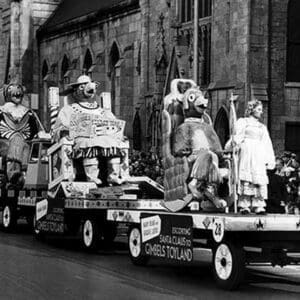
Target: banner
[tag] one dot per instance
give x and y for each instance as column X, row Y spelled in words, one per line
column 168, row 237
column 89, row 126
column 50, row 215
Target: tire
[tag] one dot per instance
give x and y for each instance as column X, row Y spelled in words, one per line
column 89, row 234
column 135, row 247
column 9, row 218
column 228, row 265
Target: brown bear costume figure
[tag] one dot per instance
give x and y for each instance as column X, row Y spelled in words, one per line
column 198, row 141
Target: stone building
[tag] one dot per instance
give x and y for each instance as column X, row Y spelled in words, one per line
column 134, row 48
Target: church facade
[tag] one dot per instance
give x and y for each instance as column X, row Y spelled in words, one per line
column 134, row 48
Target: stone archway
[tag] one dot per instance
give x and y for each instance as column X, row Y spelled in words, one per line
column 222, row 125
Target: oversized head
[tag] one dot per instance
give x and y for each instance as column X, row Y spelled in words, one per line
column 194, row 103
column 84, row 89
column 13, row 93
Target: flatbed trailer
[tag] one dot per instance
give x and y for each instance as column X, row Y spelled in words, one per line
column 73, row 208
column 235, row 240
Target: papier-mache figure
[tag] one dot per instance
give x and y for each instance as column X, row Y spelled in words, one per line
column 18, row 125
column 197, row 140
column 96, row 132
column 190, row 150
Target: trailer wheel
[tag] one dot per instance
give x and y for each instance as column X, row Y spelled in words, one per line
column 228, row 265
column 135, row 247
column 9, row 218
column 89, row 234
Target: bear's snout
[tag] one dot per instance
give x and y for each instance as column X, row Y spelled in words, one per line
column 90, row 89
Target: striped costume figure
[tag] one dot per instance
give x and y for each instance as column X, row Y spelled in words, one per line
column 18, row 125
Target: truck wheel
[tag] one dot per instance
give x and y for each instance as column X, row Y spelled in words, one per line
column 9, row 218
column 228, row 265
column 89, row 234
column 135, row 247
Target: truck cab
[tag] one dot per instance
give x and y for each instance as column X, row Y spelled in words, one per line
column 17, row 198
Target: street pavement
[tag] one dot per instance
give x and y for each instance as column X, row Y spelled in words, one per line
column 59, row 269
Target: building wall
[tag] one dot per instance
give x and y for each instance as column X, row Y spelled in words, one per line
column 249, row 40
column 230, row 48
column 4, row 35
column 18, row 50
column 285, row 96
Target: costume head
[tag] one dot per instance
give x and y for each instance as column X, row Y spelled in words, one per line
column 13, row 93
column 84, row 89
column 194, row 103
column 251, row 107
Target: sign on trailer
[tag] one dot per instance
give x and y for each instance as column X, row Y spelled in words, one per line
column 167, row 236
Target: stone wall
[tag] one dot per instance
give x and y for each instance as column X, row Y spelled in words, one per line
column 285, row 97
column 4, row 35
column 230, row 48
column 19, row 22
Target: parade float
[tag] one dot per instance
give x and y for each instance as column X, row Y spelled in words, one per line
column 77, row 183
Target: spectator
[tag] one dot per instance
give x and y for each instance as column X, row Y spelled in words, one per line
column 143, row 164
column 277, row 193
column 279, row 166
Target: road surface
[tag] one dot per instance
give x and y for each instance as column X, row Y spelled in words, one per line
column 58, row 269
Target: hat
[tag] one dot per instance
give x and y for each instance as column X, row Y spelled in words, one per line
column 82, row 79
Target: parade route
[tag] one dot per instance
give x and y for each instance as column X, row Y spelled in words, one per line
column 58, row 269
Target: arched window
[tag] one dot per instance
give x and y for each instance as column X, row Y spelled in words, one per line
column 64, row 69
column 186, row 9
column 88, row 61
column 114, row 57
column 222, row 126
column 293, row 42
column 45, row 69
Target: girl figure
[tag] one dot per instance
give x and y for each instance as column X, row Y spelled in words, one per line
column 256, row 155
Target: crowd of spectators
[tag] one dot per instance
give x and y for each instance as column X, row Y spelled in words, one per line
column 146, row 164
column 288, row 168
column 284, row 186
